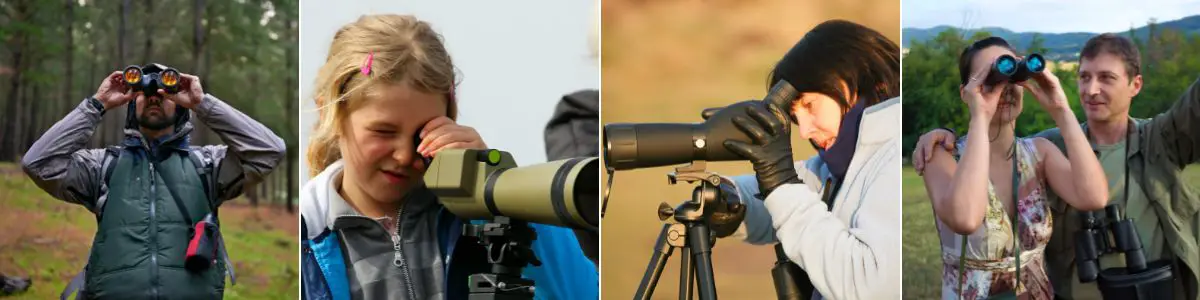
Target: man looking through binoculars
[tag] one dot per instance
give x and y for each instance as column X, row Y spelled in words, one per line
column 1143, row 160
column 151, row 191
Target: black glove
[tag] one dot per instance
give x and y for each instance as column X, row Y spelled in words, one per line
column 771, row 153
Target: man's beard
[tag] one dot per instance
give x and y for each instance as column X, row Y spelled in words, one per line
column 158, row 122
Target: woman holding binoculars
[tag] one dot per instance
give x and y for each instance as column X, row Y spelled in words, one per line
column 992, row 214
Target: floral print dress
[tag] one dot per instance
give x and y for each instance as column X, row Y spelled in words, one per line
column 990, row 256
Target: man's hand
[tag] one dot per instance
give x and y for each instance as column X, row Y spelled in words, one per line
column 113, row 92
column 190, row 92
column 771, row 153
column 924, row 150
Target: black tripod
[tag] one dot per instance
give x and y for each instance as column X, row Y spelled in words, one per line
column 687, row 228
column 508, row 248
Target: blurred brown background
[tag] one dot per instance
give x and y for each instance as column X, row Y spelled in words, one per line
column 665, row 61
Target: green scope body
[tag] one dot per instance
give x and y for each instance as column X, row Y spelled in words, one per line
column 480, row 184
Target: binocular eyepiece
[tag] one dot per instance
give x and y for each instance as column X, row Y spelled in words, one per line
column 1010, row 69
column 150, row 78
column 1094, row 240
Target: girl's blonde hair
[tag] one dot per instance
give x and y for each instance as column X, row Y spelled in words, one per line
column 405, row 50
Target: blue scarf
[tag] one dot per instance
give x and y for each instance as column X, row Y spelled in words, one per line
column 837, row 157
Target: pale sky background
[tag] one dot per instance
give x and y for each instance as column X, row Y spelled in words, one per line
column 516, row 60
column 1049, row 16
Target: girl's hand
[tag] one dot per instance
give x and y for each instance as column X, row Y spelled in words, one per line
column 1049, row 92
column 442, row 133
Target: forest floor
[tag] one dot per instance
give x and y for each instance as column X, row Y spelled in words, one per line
column 48, row 241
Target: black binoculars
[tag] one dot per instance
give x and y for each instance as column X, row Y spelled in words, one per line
column 151, row 77
column 1014, row 70
column 1138, row 279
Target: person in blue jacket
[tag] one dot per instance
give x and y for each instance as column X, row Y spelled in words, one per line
column 370, row 228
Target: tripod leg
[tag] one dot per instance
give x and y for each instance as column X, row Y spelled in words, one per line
column 662, row 251
column 691, row 281
column 685, row 278
column 698, row 240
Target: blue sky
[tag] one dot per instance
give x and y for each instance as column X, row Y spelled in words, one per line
column 1045, row 15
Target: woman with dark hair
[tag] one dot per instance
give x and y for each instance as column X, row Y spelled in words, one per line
column 837, row 214
column 992, row 215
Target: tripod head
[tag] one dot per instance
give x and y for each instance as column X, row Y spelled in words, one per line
column 508, row 242
column 709, row 202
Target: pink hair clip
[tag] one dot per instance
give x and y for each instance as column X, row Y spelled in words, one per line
column 366, row 67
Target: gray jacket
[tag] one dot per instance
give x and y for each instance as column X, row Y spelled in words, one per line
column 59, row 164
column 376, row 266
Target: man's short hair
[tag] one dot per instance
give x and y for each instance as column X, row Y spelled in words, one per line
column 1117, row 45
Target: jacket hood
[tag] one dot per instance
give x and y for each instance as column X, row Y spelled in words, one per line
column 182, row 115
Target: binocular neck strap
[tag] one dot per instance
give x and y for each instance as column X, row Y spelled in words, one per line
column 1016, row 216
column 1016, row 225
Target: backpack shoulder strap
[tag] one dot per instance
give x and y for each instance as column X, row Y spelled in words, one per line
column 204, row 165
column 110, row 159
column 111, row 155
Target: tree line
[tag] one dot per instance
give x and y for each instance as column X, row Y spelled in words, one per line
column 55, row 53
column 931, row 82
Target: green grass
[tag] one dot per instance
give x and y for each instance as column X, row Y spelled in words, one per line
column 48, row 240
column 922, row 249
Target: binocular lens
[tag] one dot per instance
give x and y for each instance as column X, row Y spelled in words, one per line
column 1007, row 65
column 1008, row 68
column 1035, row 63
column 133, row 75
column 170, row 78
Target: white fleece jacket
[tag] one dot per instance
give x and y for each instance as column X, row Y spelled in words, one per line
column 852, row 251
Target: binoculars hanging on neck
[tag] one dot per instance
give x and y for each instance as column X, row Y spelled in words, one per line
column 1108, row 232
column 149, row 78
column 1010, row 69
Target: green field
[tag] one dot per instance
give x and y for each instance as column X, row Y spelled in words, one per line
column 922, row 265
column 48, row 240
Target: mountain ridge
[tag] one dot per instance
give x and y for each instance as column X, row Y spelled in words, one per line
column 1060, row 46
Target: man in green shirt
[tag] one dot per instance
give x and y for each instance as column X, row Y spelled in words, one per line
column 1143, row 159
